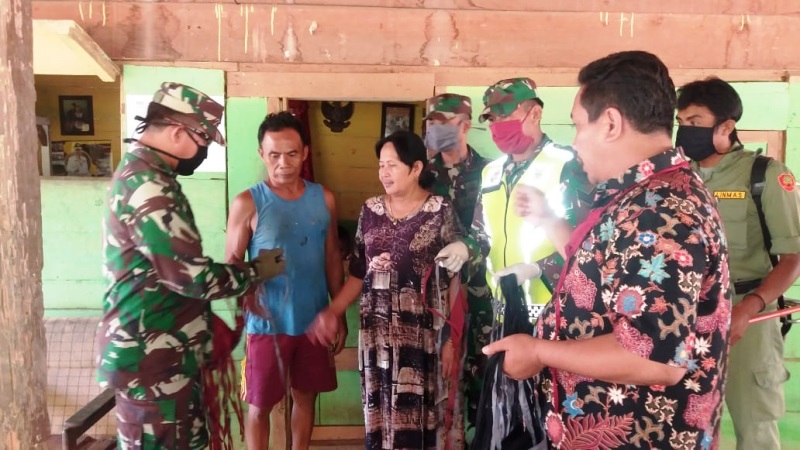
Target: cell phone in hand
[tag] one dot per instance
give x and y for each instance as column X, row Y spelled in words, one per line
column 279, row 258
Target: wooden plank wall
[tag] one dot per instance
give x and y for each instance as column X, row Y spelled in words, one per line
column 743, row 34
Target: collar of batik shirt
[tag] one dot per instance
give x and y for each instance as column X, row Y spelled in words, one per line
column 606, row 190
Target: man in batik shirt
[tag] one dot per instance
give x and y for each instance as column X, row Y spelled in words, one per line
column 457, row 177
column 154, row 337
column 633, row 347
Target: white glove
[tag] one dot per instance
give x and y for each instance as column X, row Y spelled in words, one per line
column 453, row 256
column 524, row 272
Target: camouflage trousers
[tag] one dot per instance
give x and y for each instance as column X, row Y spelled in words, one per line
column 174, row 421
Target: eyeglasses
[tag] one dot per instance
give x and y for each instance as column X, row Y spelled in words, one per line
column 203, row 135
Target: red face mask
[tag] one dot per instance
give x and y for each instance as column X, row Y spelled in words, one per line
column 509, row 137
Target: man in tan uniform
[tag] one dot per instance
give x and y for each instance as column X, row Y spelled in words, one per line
column 707, row 114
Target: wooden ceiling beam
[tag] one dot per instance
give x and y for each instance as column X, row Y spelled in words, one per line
column 418, row 37
column 482, row 76
column 322, row 86
column 713, row 7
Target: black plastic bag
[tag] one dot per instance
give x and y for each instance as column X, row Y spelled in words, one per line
column 509, row 417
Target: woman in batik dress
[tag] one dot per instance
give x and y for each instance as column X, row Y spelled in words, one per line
column 405, row 351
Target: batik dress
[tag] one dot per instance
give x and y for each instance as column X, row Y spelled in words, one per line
column 403, row 391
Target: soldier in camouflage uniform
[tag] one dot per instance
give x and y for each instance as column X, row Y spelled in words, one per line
column 154, row 336
column 500, row 238
column 457, row 170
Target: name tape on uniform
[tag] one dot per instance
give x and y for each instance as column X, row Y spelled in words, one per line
column 735, row 195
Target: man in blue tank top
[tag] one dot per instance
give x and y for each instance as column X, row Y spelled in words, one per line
column 298, row 217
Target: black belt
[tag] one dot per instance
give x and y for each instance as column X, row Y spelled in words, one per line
column 744, row 287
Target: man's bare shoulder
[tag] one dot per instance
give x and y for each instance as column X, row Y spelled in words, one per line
column 243, row 204
column 330, row 197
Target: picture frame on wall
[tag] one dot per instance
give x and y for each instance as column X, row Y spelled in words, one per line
column 76, row 114
column 81, row 158
column 395, row 117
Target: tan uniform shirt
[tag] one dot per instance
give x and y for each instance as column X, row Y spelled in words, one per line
column 729, row 182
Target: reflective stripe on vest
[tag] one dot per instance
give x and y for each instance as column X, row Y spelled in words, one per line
column 513, row 240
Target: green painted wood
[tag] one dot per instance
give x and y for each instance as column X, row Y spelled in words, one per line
column 72, row 312
column 794, row 292
column 789, row 431
column 792, row 347
column 353, row 317
column 72, row 212
column 793, row 150
column 245, row 167
column 208, row 200
column 74, row 293
column 794, row 105
column 793, row 131
column 147, row 79
column 766, row 105
column 342, row 406
column 791, row 390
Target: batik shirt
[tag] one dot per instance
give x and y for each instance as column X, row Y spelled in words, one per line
column 577, row 200
column 153, row 337
column 654, row 272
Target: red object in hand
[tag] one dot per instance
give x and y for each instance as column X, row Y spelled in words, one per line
column 774, row 314
column 224, row 340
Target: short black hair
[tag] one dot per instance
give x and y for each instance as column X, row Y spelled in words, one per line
column 278, row 122
column 636, row 83
column 410, row 148
column 718, row 96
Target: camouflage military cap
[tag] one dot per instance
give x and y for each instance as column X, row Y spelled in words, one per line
column 447, row 106
column 503, row 97
column 197, row 109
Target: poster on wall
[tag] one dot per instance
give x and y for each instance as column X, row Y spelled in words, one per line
column 77, row 115
column 396, row 117
column 81, row 158
column 136, row 105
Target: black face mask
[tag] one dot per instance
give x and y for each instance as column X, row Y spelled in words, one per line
column 697, row 142
column 187, row 166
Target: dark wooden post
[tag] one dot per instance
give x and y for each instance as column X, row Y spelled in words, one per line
column 23, row 368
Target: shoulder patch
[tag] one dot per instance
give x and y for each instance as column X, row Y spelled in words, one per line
column 786, row 180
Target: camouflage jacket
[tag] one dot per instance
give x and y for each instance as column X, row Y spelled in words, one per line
column 461, row 184
column 578, row 199
column 154, row 333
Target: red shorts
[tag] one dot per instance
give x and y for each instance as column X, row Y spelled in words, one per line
column 310, row 367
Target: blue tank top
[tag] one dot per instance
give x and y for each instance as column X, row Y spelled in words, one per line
column 300, row 228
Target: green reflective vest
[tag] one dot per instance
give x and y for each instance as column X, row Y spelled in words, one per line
column 513, row 240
